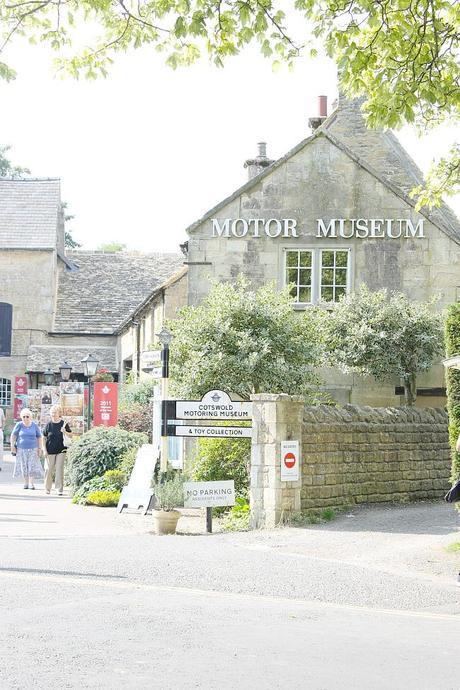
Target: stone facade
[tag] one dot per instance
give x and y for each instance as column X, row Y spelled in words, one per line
column 369, row 455
column 343, row 171
column 350, row 455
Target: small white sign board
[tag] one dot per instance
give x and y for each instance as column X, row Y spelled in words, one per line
column 213, row 405
column 290, row 461
column 209, row 494
column 214, row 431
column 151, row 358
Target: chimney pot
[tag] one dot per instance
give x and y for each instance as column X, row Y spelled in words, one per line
column 262, row 146
column 322, row 106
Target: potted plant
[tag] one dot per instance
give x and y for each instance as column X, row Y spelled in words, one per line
column 169, row 494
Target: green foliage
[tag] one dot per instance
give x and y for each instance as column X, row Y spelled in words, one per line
column 99, row 450
column 403, row 57
column 112, row 481
column 238, row 518
column 7, row 169
column 136, row 417
column 126, row 462
column 311, row 517
column 111, row 247
column 381, row 335
column 243, row 341
column 454, row 547
column 103, row 498
column 102, row 375
column 137, row 393
column 218, row 459
column 169, row 491
column 452, row 335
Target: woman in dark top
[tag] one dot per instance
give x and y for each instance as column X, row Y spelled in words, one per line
column 55, row 450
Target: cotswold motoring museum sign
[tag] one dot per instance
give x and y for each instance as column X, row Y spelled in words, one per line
column 345, row 228
column 216, row 405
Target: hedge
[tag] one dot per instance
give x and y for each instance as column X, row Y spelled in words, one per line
column 453, row 383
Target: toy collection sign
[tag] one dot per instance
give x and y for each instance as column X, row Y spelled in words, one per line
column 105, row 404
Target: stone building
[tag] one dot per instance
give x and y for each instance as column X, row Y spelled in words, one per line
column 331, row 214
column 58, row 306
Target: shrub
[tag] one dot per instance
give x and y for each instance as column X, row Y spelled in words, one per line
column 453, row 383
column 237, row 519
column 104, row 498
column 138, row 393
column 99, row 450
column 102, row 375
column 137, row 417
column 112, row 480
column 126, row 464
column 169, row 491
column 220, row 458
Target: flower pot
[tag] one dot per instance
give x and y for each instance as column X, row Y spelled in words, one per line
column 165, row 521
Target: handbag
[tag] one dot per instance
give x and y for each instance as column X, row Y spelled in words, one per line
column 67, row 441
column 453, row 494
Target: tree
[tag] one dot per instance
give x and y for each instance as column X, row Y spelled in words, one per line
column 111, row 247
column 243, row 341
column 69, row 241
column 453, row 383
column 401, row 55
column 7, row 169
column 384, row 336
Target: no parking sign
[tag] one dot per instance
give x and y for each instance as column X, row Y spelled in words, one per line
column 290, row 461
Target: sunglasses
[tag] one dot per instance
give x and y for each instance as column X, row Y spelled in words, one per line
column 25, row 416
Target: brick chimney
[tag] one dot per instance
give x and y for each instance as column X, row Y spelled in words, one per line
column 256, row 165
column 315, row 122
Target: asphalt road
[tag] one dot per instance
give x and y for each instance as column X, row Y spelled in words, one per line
column 91, row 599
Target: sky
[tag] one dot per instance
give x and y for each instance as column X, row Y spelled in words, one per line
column 146, row 152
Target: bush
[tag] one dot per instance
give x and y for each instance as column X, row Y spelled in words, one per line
column 453, row 383
column 237, row 519
column 99, row 450
column 138, row 393
column 169, row 491
column 220, row 458
column 112, row 480
column 126, row 464
column 104, row 498
column 137, row 417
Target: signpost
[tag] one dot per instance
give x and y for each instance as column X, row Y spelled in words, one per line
column 210, row 431
column 213, row 405
column 290, row 463
column 209, row 495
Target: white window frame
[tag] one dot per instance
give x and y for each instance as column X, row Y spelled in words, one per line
column 5, row 392
column 316, row 264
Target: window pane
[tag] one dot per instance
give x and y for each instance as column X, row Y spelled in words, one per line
column 293, row 291
column 327, row 276
column 341, row 276
column 5, row 392
column 304, row 294
column 291, row 258
column 305, row 259
column 291, row 275
column 339, row 293
column 305, row 276
column 341, row 258
column 327, row 258
column 326, row 294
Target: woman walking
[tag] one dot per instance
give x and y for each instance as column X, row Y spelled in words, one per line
column 55, row 450
column 27, row 444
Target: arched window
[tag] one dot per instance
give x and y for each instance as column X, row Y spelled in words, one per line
column 5, row 392
column 6, row 324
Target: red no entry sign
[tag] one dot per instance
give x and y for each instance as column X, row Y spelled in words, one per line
column 289, row 460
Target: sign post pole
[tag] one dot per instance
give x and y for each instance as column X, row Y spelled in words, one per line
column 209, row 520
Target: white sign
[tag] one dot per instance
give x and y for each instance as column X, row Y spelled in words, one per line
column 213, row 405
column 209, row 494
column 214, row 431
column 290, row 461
column 151, row 358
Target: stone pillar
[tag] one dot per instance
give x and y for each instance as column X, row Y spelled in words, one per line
column 275, row 418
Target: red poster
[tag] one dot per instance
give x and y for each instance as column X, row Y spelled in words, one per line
column 20, row 385
column 105, row 404
column 18, row 404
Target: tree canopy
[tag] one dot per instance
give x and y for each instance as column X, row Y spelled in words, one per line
column 7, row 169
column 384, row 336
column 243, row 341
column 402, row 55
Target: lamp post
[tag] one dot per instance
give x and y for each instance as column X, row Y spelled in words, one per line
column 165, row 337
column 66, row 369
column 90, row 365
column 48, row 375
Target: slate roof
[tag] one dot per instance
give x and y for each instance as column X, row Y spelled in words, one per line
column 104, row 289
column 40, row 357
column 377, row 151
column 29, row 212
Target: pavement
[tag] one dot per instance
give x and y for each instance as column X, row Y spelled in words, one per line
column 92, row 598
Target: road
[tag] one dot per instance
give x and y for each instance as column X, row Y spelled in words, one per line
column 92, row 599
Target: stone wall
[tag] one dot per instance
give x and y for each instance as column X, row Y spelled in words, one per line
column 368, row 455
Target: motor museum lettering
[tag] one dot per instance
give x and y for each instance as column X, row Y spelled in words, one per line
column 346, row 228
